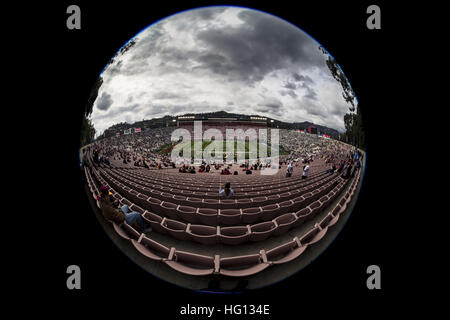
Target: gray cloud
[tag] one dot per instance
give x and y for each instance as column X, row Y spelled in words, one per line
column 310, row 94
column 105, row 101
column 167, row 95
column 297, row 77
column 262, row 44
column 290, row 85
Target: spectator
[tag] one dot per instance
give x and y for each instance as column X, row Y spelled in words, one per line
column 341, row 166
column 347, row 172
column 111, row 211
column 332, row 169
column 357, row 167
column 227, row 192
column 289, row 170
column 305, row 171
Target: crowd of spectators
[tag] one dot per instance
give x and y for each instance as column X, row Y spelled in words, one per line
column 152, row 149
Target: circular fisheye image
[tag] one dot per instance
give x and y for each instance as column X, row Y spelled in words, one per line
column 222, row 149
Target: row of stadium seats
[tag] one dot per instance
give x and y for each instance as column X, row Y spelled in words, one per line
column 217, row 215
column 234, row 235
column 243, row 200
column 170, row 184
column 206, row 180
column 192, row 263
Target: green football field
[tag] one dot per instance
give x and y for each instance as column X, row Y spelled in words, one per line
column 243, row 146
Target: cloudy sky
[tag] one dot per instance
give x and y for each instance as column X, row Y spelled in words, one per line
column 220, row 58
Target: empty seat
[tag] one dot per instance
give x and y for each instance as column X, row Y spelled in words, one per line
column 285, row 252
column 284, row 223
column 335, row 216
column 187, row 193
column 273, row 198
column 310, row 236
column 298, row 203
column 176, row 229
column 244, row 201
column 155, row 221
column 326, row 220
column 262, row 231
column 120, row 230
column 269, row 211
column 285, row 206
column 203, row 234
column 233, row 235
column 207, row 216
column 326, row 199
column 155, row 193
column 141, row 200
column 302, row 216
column 284, row 196
column 316, row 207
column 177, row 199
column 241, row 266
column 188, row 213
column 194, row 202
column 251, row 215
column 229, row 217
column 336, row 210
column 191, row 263
column 169, row 209
column 210, row 203
column 155, row 205
column 166, row 196
column 227, row 203
column 151, row 249
column 260, row 200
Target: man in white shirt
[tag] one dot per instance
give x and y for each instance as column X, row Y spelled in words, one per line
column 289, row 170
column 305, row 171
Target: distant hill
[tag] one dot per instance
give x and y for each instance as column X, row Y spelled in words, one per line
column 168, row 121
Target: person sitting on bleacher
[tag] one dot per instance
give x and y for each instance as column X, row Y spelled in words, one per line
column 332, row 169
column 357, row 167
column 347, row 172
column 227, row 192
column 112, row 211
column 225, row 171
column 341, row 166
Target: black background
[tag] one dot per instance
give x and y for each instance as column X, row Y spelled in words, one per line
column 66, row 231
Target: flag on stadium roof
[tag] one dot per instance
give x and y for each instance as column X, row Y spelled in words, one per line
column 137, row 130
